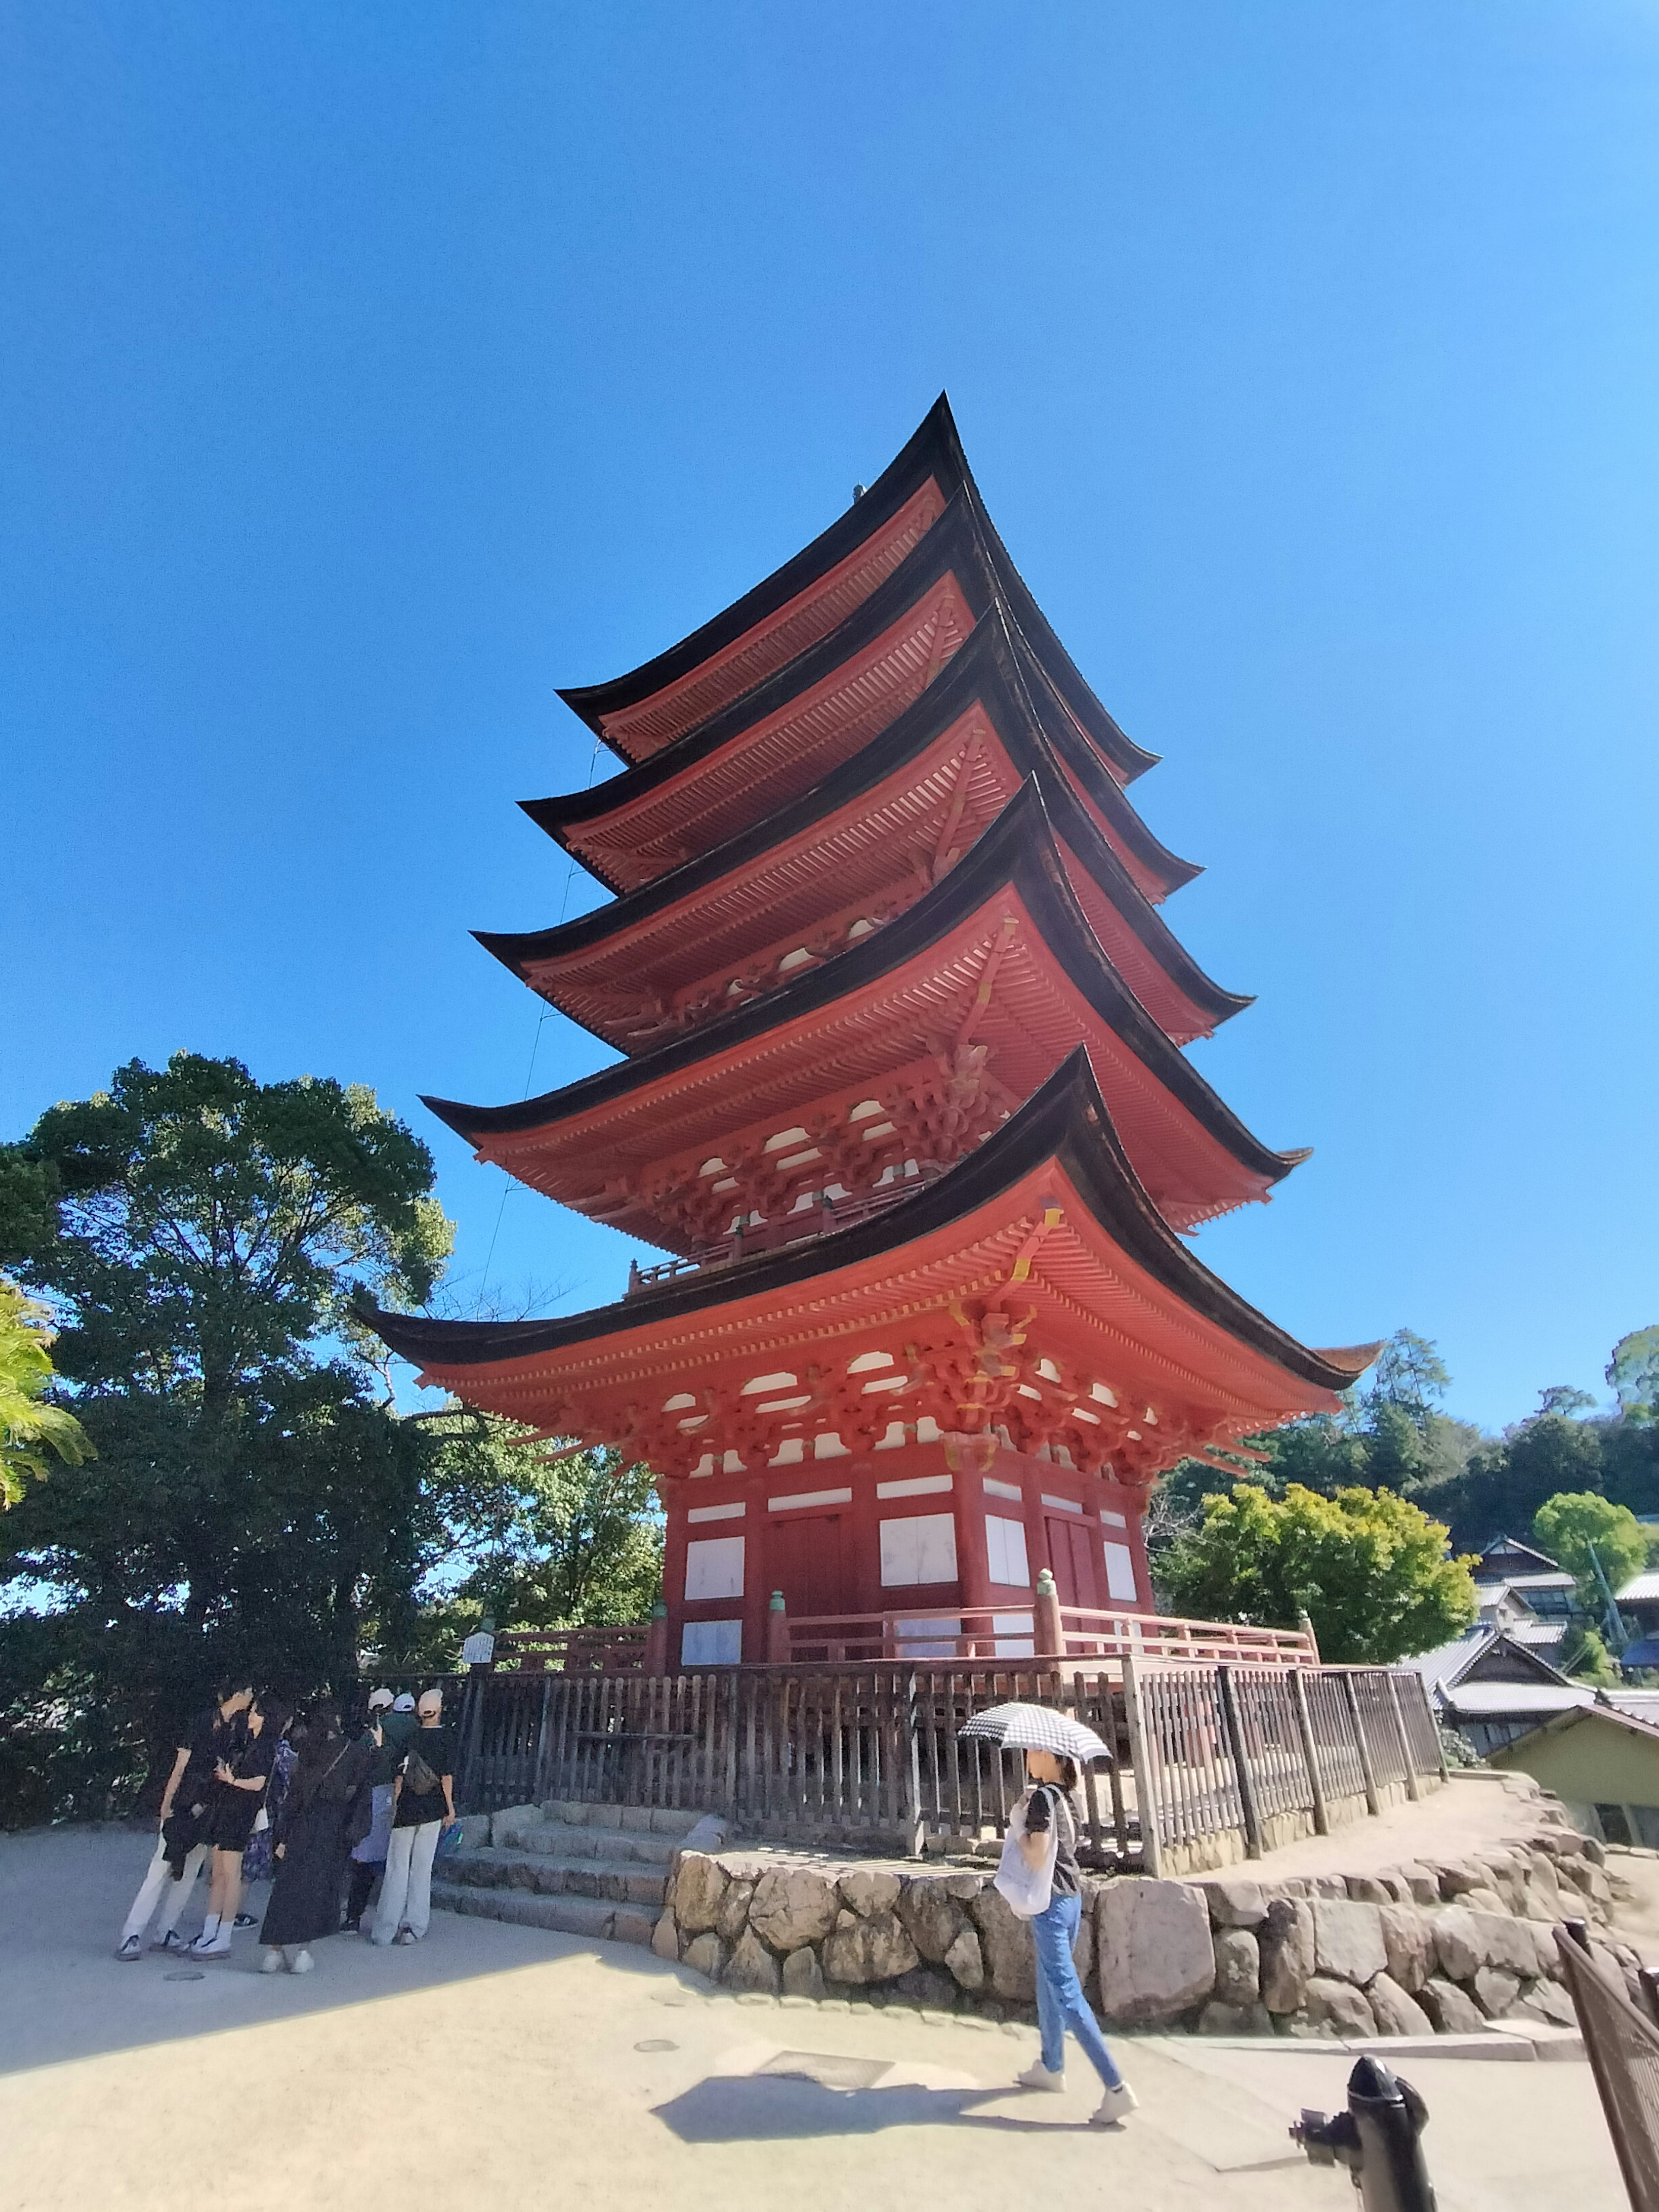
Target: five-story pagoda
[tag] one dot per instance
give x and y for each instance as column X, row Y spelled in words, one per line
column 903, row 1092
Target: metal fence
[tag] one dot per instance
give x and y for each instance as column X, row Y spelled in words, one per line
column 1622, row 2045
column 1212, row 1763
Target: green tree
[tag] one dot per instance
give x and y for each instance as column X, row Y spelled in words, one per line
column 30, row 1425
column 1633, row 1371
column 1569, row 1525
column 1370, row 1569
column 1587, row 1659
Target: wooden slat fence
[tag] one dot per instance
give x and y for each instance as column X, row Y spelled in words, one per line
column 1213, row 1763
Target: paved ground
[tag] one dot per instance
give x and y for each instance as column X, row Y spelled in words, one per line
column 504, row 2067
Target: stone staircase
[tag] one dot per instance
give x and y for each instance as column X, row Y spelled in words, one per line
column 594, row 1870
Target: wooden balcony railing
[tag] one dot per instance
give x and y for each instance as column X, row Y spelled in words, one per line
column 1042, row 1628
column 571, row 1650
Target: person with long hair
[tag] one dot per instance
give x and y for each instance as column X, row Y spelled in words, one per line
column 239, row 1784
column 182, row 1849
column 1049, row 1823
column 325, row 1809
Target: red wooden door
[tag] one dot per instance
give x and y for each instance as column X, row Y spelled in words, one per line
column 807, row 1556
column 1071, row 1559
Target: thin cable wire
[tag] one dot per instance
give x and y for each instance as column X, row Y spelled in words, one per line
column 535, row 1046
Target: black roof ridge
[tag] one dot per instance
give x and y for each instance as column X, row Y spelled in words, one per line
column 955, row 534
column 989, row 652
column 1019, row 850
column 934, row 449
column 1065, row 1119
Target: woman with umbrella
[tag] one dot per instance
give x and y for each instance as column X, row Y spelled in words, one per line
column 1040, row 1880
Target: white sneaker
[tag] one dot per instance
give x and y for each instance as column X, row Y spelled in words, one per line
column 406, row 1936
column 272, row 1963
column 130, row 1948
column 303, row 1964
column 1116, row 2105
column 215, row 1947
column 1037, row 2076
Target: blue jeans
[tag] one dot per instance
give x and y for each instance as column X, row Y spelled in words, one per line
column 1061, row 2001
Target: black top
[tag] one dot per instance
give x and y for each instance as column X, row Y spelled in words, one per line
column 1039, row 1810
column 436, row 1746
column 256, row 1755
column 208, row 1738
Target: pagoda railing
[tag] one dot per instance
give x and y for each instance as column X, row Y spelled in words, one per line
column 1213, row 1763
column 819, row 1219
column 571, row 1650
column 1011, row 1632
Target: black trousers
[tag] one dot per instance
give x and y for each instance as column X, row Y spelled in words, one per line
column 363, row 1879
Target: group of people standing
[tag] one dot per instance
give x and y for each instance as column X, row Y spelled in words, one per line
column 254, row 1789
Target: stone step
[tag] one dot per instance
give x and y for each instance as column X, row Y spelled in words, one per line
column 564, row 1916
column 544, row 1838
column 632, row 1819
column 544, row 1874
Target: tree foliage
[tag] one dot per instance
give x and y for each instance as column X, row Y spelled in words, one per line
column 1571, row 1524
column 1370, row 1569
column 1633, row 1371
column 31, row 1427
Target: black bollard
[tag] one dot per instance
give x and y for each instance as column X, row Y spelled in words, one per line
column 1378, row 2139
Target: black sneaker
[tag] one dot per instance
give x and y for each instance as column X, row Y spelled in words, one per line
column 245, row 1920
column 131, row 1948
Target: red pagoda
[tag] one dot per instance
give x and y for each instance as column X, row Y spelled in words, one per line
column 902, row 1091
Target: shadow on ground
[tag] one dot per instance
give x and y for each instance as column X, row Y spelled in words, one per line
column 777, row 2108
column 64, row 1892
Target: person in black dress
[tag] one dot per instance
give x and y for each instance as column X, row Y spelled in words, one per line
column 182, row 1848
column 325, row 1810
column 239, row 1784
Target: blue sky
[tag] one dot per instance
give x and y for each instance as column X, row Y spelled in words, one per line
column 372, row 371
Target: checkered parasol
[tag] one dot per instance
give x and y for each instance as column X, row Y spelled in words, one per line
column 1034, row 1728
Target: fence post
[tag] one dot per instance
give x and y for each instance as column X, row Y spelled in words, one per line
column 1413, row 1790
column 1151, row 1850
column 1090, row 1796
column 1050, row 1641
column 1440, row 1741
column 1246, row 1780
column 1304, row 1622
column 915, row 1823
column 1322, row 1816
column 656, row 1641
column 1364, row 1749
column 472, row 1734
column 777, row 1631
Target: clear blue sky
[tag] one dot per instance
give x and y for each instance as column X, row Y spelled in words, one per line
column 370, row 371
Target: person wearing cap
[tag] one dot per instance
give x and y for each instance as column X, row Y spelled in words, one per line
column 390, row 1723
column 424, row 1806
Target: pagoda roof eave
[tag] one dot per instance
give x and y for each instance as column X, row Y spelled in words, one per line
column 1065, row 1123
column 987, row 671
column 955, row 545
column 1019, row 853
column 934, row 449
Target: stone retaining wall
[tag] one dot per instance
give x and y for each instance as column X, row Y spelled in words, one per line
column 1411, row 1951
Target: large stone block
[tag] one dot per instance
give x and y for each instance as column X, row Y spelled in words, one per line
column 803, row 1976
column 1496, row 1990
column 1506, row 1943
column 699, row 1887
column 1457, row 1946
column 1409, row 1943
column 1285, row 1942
column 705, row 1954
column 1453, row 2011
column 873, row 1949
column 1235, row 2020
column 928, row 1987
column 1370, row 1889
column 1542, row 2000
column 751, row 1965
column 933, row 1918
column 1157, row 1953
column 1336, row 2007
column 1005, row 1941
column 793, row 1905
column 666, row 1937
column 867, row 1892
column 1395, row 2012
column 966, row 1962
column 1235, row 1901
column 1237, row 1967
column 735, row 1910
column 1348, row 1944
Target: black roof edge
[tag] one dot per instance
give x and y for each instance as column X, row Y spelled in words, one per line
column 929, row 450
column 1065, row 1119
column 963, row 679
column 1018, row 849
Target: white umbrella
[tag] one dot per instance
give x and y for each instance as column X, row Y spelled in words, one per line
column 1034, row 1728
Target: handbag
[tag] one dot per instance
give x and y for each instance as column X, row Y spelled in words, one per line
column 1027, row 1890
column 420, row 1778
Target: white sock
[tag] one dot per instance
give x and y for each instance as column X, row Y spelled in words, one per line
column 209, row 1927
